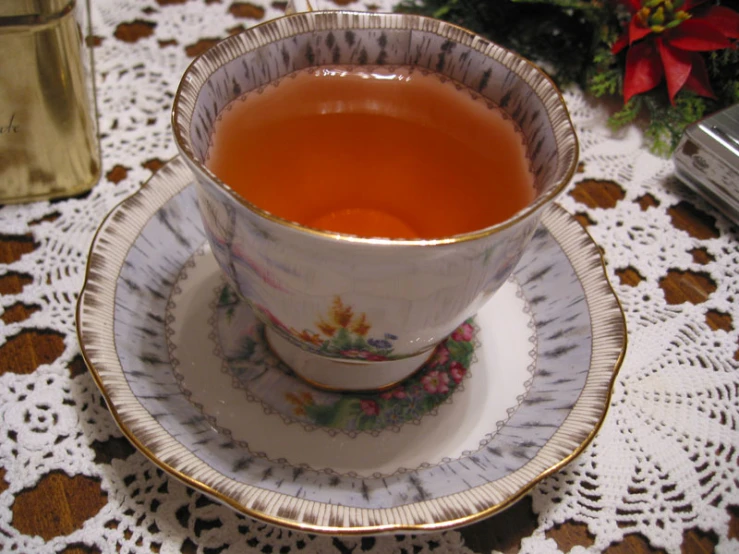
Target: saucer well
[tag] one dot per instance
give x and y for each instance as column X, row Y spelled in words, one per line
column 512, row 396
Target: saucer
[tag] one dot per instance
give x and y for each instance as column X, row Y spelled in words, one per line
column 512, row 396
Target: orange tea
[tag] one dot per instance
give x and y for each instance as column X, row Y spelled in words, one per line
column 373, row 152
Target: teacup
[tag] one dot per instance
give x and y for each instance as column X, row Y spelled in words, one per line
column 346, row 312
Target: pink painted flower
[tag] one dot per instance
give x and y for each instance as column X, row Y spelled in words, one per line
column 435, row 382
column 464, row 332
column 457, row 372
column 369, row 407
column 440, row 357
column 397, row 392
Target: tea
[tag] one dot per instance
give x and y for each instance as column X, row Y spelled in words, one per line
column 373, row 152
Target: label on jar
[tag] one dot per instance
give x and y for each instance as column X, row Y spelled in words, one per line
column 10, row 126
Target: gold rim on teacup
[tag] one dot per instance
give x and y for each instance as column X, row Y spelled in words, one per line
column 232, row 47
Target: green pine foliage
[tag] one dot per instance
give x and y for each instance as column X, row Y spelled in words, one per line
column 572, row 39
column 558, row 33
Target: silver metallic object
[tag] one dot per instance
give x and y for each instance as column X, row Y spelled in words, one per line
column 707, row 160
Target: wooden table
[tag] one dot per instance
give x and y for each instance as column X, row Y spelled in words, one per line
column 60, row 504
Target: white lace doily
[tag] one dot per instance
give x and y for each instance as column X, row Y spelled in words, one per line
column 665, row 461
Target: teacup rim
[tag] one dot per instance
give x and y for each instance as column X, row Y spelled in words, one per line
column 476, row 42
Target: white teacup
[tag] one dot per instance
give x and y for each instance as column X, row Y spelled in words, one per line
column 356, row 313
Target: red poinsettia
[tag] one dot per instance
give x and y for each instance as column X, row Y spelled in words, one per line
column 664, row 40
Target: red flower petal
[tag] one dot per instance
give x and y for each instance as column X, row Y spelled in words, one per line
column 677, row 65
column 620, row 44
column 690, row 4
column 696, row 35
column 643, row 69
column 698, row 79
column 723, row 19
column 637, row 31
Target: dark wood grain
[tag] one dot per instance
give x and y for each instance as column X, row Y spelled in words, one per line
column 57, row 505
column 133, row 31
column 629, row 276
column 19, row 312
column 693, row 221
column 246, row 10
column 569, row 534
column 597, row 194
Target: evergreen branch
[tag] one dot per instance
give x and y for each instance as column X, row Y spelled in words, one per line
column 627, row 114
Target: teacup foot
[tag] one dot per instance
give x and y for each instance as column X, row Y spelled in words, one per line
column 344, row 375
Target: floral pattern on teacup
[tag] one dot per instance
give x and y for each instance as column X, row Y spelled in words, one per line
column 340, row 333
column 406, row 402
column 254, row 367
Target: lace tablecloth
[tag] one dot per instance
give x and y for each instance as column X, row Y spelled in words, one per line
column 664, row 462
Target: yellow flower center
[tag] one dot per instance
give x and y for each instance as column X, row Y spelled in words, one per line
column 660, row 15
